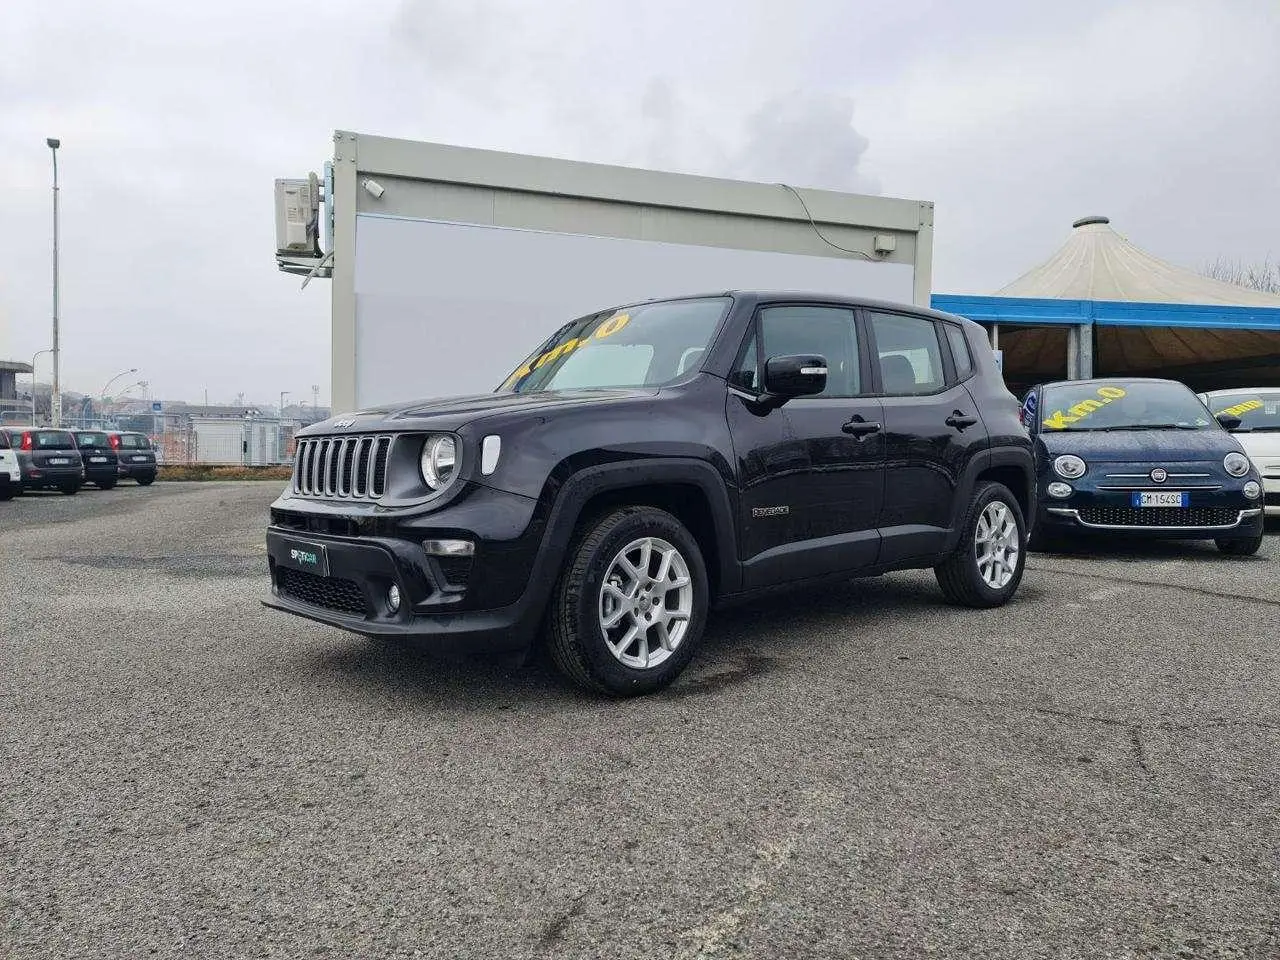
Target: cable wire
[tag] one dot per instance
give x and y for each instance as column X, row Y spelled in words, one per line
column 821, row 236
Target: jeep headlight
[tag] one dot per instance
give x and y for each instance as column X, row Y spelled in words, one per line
column 439, row 461
column 1069, row 466
column 1236, row 464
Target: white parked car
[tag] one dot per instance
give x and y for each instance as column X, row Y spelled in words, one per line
column 10, row 474
column 1259, row 432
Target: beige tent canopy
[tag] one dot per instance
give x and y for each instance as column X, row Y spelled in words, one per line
column 1210, row 342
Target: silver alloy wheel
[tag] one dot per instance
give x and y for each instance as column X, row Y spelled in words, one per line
column 645, row 603
column 996, row 543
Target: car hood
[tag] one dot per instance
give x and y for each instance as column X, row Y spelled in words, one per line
column 1261, row 447
column 1131, row 445
column 452, row 413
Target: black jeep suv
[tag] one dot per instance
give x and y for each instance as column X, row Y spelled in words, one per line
column 649, row 461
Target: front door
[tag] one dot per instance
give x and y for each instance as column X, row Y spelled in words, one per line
column 932, row 429
column 811, row 470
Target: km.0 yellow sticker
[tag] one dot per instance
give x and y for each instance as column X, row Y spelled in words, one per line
column 1061, row 419
column 1240, row 408
column 606, row 329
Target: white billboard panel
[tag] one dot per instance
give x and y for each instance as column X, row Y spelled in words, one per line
column 451, row 308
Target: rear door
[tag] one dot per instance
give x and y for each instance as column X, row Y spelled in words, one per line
column 135, row 450
column 932, row 429
column 811, row 471
column 95, row 449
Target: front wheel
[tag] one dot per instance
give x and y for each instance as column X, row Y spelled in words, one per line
column 986, row 567
column 630, row 607
column 1237, row 547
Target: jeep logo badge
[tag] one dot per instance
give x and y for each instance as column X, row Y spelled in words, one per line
column 346, row 422
column 1158, row 475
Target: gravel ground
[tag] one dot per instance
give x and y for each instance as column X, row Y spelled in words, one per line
column 858, row 772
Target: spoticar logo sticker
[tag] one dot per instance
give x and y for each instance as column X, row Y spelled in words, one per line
column 302, row 556
column 1061, row 419
column 1241, row 408
column 602, row 332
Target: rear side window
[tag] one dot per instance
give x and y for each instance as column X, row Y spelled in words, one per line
column 959, row 350
column 909, row 354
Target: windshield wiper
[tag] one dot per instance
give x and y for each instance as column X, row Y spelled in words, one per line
column 1153, row 426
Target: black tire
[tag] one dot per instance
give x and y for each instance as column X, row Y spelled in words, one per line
column 146, row 481
column 71, row 489
column 106, row 484
column 958, row 574
column 576, row 639
column 1239, row 547
column 7, row 493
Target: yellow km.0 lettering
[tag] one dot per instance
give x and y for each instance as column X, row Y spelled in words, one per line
column 1240, row 408
column 1061, row 419
column 606, row 329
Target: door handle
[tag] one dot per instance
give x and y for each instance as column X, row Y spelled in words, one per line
column 960, row 420
column 861, row 428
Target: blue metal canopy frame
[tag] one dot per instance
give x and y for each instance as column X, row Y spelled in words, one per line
column 1108, row 313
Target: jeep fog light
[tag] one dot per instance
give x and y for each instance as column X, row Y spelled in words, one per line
column 1060, row 490
column 393, row 598
column 1252, row 490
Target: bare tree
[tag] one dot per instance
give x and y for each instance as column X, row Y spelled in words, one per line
column 1264, row 276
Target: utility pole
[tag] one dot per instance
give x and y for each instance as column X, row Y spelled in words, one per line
column 55, row 401
column 315, row 401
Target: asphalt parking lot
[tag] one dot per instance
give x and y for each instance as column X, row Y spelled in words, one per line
column 863, row 772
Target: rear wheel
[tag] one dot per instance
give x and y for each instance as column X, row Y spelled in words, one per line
column 106, row 484
column 986, row 567
column 7, row 492
column 70, row 489
column 146, row 481
column 630, row 607
column 1238, row 547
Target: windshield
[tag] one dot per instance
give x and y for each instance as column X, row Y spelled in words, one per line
column 91, row 439
column 646, row 345
column 1135, row 405
column 1257, row 409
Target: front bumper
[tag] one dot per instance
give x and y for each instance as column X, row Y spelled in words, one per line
column 489, row 602
column 1271, row 496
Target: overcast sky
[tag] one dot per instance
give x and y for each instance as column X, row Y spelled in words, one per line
column 1014, row 118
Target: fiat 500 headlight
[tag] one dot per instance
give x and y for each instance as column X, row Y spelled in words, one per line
column 1069, row 466
column 439, row 461
column 1236, row 464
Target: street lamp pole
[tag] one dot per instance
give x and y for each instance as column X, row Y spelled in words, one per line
column 55, row 401
column 33, row 384
column 103, row 395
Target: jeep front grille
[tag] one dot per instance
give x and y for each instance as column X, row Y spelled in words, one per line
column 341, row 468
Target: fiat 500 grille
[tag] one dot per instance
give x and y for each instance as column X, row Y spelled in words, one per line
column 344, row 468
column 1159, row 516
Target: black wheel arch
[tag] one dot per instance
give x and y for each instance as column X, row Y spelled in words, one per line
column 1012, row 466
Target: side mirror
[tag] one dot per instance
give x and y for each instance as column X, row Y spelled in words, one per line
column 798, row 376
column 1229, row 421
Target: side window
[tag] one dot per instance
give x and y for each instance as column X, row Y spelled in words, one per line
column 959, row 350
column 4, row 440
column 827, row 331
column 745, row 374
column 910, row 356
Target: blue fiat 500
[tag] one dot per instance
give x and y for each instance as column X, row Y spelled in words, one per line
column 1142, row 457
